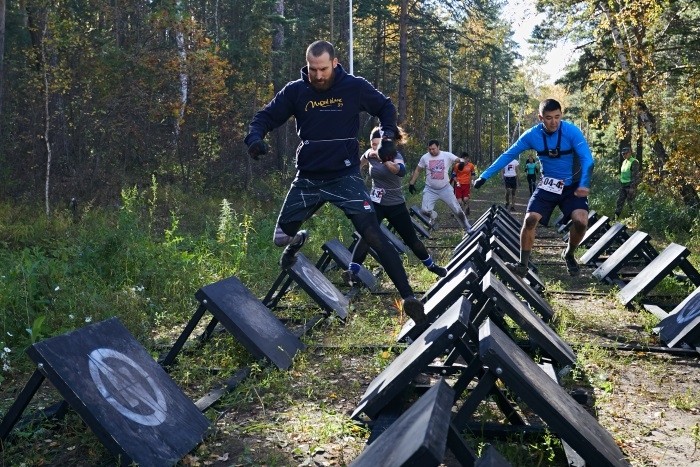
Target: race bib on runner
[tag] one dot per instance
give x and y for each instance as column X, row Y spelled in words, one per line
column 553, row 185
column 376, row 195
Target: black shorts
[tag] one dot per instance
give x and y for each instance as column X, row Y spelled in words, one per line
column 511, row 182
column 306, row 196
column 543, row 203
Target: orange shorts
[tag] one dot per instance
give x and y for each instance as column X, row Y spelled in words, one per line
column 463, row 191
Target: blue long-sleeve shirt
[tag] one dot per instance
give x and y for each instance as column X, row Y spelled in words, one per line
column 327, row 122
column 576, row 161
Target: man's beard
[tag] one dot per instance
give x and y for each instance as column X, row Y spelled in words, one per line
column 321, row 86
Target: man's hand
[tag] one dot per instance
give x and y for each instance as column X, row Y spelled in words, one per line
column 412, row 188
column 257, row 148
column 582, row 192
column 386, row 150
column 479, row 182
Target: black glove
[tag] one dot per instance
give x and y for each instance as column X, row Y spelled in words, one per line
column 460, row 166
column 412, row 188
column 478, row 182
column 387, row 150
column 257, row 149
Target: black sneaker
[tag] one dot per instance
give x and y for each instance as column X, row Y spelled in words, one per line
column 414, row 309
column 350, row 278
column 512, row 208
column 438, row 270
column 571, row 265
column 518, row 269
column 289, row 255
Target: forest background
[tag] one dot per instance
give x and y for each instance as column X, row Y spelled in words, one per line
column 125, row 185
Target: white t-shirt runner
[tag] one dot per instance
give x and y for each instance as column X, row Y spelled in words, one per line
column 509, row 170
column 437, row 168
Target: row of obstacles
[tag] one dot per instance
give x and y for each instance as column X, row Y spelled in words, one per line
column 477, row 315
column 630, row 261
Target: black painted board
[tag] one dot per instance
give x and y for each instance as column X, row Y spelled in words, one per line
column 419, row 436
column 517, row 283
column 594, row 231
column 249, row 321
column 508, row 256
column 537, row 330
column 467, row 245
column 474, row 247
column 683, row 323
column 342, row 257
column 319, row 288
column 436, row 305
column 492, row 458
column 471, row 259
column 508, row 224
column 547, row 399
column 438, row 338
column 466, row 242
column 624, row 254
column 416, row 212
column 653, row 273
column 501, row 211
column 592, row 219
column 615, row 235
column 121, row 393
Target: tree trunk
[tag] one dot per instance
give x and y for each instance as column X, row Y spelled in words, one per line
column 2, row 56
column 403, row 62
column 47, row 115
column 278, row 82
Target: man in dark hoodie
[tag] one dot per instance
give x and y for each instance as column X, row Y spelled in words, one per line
column 326, row 104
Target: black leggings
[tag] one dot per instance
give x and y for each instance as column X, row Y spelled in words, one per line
column 399, row 218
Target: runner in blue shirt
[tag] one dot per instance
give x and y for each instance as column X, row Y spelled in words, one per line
column 567, row 164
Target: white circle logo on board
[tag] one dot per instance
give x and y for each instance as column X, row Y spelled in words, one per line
column 322, row 286
column 690, row 311
column 127, row 387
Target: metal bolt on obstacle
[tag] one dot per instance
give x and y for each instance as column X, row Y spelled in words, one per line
column 499, row 371
column 40, row 366
column 204, row 302
column 450, row 336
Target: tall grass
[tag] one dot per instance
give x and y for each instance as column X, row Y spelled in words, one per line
column 58, row 274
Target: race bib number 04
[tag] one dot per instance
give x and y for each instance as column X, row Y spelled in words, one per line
column 553, row 185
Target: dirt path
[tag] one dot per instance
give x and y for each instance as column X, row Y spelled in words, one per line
column 649, row 401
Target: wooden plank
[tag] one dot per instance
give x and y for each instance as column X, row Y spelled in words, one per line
column 629, row 250
column 420, row 354
column 655, row 271
column 604, row 243
column 244, row 316
column 683, row 323
column 418, row 437
column 537, row 330
column 547, row 399
column 535, row 300
column 121, row 393
column 318, row 287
